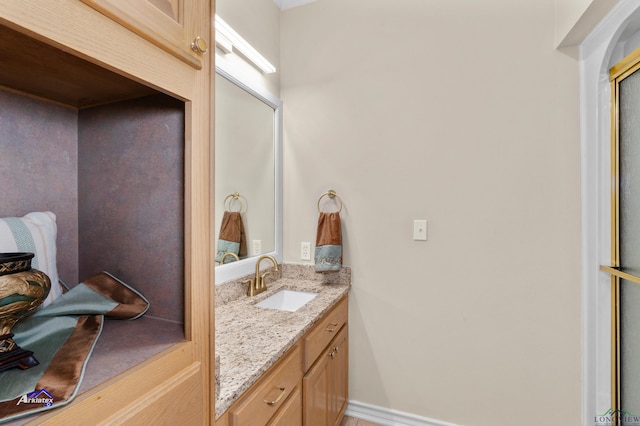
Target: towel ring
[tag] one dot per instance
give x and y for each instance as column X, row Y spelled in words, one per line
column 234, row 196
column 331, row 194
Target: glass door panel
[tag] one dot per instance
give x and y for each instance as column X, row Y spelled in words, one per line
column 630, row 346
column 629, row 241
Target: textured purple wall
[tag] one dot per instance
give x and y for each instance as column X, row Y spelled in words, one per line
column 114, row 177
column 38, row 168
column 131, row 197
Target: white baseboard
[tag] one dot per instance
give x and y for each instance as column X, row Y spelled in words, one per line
column 388, row 417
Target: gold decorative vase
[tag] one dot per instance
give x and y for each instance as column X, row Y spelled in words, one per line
column 22, row 291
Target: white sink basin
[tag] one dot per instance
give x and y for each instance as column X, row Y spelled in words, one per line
column 287, row 300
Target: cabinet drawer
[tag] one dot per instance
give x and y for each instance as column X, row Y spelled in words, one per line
column 270, row 393
column 319, row 337
column 291, row 413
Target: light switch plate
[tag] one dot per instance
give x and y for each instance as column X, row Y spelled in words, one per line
column 420, row 230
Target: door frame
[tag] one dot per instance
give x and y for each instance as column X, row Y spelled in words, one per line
column 603, row 47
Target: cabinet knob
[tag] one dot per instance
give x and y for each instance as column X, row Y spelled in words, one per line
column 199, row 45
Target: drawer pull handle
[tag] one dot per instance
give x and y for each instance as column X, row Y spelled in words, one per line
column 332, row 327
column 275, row 401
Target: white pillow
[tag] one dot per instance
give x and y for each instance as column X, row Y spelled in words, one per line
column 34, row 233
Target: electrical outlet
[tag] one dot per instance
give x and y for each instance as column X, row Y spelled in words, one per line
column 256, row 247
column 305, row 251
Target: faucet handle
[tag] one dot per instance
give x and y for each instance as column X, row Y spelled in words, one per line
column 262, row 284
column 252, row 288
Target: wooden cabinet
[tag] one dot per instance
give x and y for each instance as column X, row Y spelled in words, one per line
column 128, row 41
column 291, row 412
column 316, row 340
column 264, row 400
column 170, row 24
column 320, row 397
column 325, row 385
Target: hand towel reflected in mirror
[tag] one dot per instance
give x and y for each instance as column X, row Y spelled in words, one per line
column 232, row 238
column 328, row 255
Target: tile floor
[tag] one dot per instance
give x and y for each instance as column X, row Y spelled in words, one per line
column 350, row 421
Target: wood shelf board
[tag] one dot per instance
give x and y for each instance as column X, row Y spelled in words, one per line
column 35, row 68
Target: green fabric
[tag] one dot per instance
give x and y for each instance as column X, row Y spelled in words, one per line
column 81, row 300
column 47, row 330
column 56, row 321
column 16, row 382
column 23, row 237
column 328, row 258
column 224, row 247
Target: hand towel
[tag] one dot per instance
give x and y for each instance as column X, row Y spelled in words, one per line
column 232, row 238
column 328, row 243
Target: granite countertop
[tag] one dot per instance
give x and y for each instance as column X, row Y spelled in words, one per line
column 249, row 339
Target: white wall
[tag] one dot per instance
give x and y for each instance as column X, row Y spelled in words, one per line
column 462, row 113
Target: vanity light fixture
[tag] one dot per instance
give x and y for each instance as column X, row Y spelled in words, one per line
column 228, row 40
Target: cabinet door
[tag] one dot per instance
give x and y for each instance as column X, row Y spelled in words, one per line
column 316, row 393
column 176, row 399
column 169, row 24
column 339, row 375
column 325, row 386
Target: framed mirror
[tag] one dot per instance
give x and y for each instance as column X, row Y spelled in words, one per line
column 248, row 170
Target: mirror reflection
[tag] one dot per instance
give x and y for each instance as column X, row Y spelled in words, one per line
column 245, row 173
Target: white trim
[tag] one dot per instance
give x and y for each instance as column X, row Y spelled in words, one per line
column 389, row 417
column 288, row 4
column 228, row 70
column 597, row 53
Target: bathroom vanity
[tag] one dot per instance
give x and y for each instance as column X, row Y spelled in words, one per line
column 280, row 367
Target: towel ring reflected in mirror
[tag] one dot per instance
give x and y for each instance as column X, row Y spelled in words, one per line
column 235, row 197
column 331, row 194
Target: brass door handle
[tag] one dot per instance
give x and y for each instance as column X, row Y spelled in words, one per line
column 275, row 401
column 199, row 45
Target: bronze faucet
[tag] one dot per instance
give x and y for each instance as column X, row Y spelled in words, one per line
column 257, row 285
column 229, row 253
